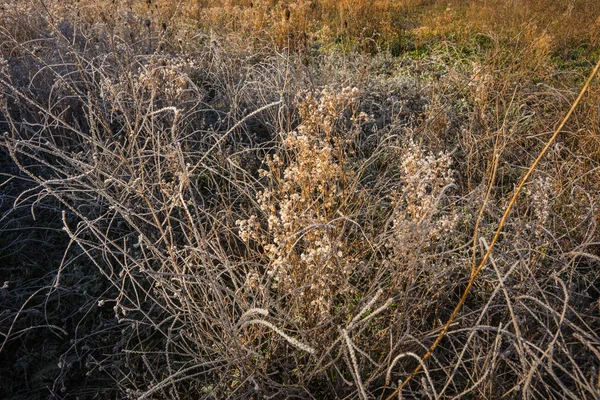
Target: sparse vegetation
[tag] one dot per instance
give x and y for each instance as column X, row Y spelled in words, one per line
column 289, row 199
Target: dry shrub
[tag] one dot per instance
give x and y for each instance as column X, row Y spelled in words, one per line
column 304, row 201
column 417, row 222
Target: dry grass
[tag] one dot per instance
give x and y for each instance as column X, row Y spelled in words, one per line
column 262, row 199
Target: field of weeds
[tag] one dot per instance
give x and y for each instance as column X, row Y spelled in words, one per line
column 308, row 199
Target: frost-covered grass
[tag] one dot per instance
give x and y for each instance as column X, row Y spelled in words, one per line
column 258, row 199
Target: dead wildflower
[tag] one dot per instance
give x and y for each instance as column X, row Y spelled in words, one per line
column 541, row 203
column 417, row 219
column 166, row 77
column 304, row 240
column 481, row 84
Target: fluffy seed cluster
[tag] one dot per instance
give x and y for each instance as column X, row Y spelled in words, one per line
column 481, row 84
column 164, row 78
column 418, row 220
column 541, row 203
column 168, row 77
column 302, row 202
